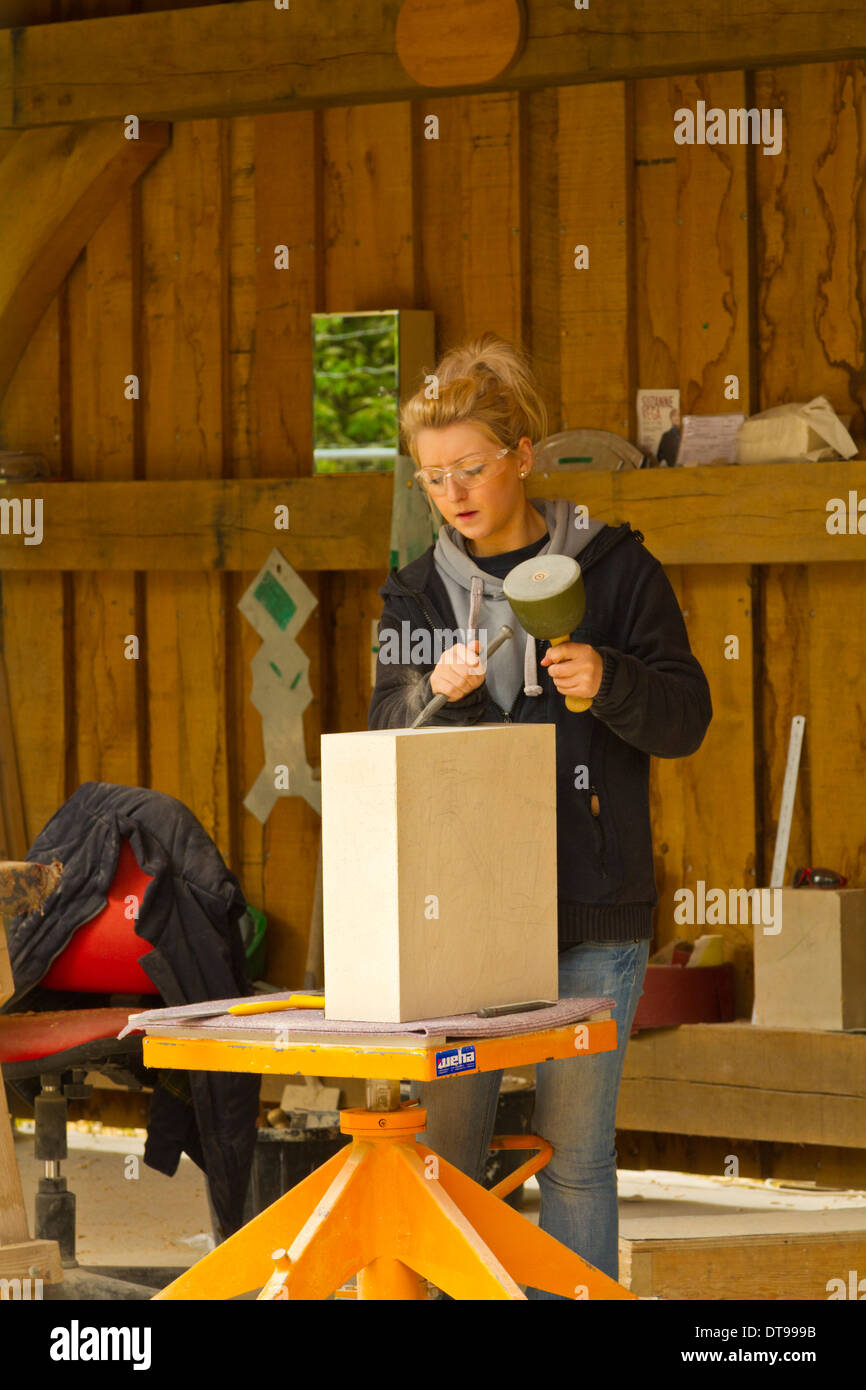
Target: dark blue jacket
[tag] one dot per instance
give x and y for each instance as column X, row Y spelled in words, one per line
column 653, row 700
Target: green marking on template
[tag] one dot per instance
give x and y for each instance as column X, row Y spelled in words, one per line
column 295, row 681
column 395, row 556
column 276, row 668
column 576, row 458
column 275, row 600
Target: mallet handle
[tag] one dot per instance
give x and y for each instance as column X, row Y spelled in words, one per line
column 576, row 703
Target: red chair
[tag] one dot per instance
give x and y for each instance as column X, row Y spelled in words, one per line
column 61, row 1046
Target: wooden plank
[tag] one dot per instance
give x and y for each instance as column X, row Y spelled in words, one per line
column 779, row 1059
column 699, row 516
column 184, row 331
column 13, row 840
column 470, row 224
column 375, row 238
column 18, row 1258
column 750, row 1114
column 33, row 600
column 692, row 288
column 692, row 274
column 598, row 364
column 811, row 298
column 693, row 840
column 816, row 1165
column 56, row 187
column 271, row 330
column 782, row 683
column 798, row 1265
column 102, row 325
column 287, row 159
column 785, row 1085
column 13, row 1215
column 543, row 237
column 836, row 720
column 251, row 57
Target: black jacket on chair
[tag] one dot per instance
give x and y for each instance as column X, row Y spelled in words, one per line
column 190, row 916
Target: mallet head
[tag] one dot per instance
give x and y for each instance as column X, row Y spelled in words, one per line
column 547, row 595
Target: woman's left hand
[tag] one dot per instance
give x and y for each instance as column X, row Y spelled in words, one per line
column 575, row 668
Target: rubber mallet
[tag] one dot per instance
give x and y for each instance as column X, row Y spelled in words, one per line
column 547, row 596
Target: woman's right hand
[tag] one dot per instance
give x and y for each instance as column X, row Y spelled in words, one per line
column 458, row 672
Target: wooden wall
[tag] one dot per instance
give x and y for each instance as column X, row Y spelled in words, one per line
column 705, row 260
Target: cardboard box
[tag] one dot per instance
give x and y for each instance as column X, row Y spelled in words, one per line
column 812, row 973
column 439, row 870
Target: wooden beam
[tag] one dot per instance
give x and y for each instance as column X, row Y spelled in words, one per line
column 56, row 187
column 233, row 58
column 787, row 1085
column 775, row 514
column 732, row 1258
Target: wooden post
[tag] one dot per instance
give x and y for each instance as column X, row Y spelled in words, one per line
column 22, row 887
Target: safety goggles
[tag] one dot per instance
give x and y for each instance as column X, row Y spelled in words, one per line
column 474, row 470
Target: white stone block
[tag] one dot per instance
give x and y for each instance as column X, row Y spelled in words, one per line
column 439, row 870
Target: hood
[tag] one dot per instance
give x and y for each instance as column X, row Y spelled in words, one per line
column 477, row 595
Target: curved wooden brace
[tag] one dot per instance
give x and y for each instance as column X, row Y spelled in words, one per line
column 56, row 186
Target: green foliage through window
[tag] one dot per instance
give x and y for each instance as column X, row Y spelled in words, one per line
column 355, row 393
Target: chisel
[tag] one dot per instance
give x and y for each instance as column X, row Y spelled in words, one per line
column 433, row 706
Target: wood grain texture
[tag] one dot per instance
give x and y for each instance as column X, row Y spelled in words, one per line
column 56, row 187
column 812, row 225
column 33, row 603
column 102, row 324
column 184, row 327
column 703, row 806
column 691, row 247
column 785, row 658
column 796, row 1265
column 470, row 226
column 251, row 57
column 442, row 45
column 769, row 514
column 836, row 720
column 276, row 200
column 597, row 365
column 779, row 1084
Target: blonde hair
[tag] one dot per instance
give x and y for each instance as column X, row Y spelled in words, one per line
column 487, row 382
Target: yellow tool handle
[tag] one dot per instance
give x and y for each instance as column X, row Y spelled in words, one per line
column 273, row 1006
column 576, row 703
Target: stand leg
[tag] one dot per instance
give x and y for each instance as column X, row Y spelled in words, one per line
column 389, row 1280
column 532, row 1257
column 341, row 1236
column 244, row 1261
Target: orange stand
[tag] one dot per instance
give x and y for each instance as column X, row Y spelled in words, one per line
column 393, row 1212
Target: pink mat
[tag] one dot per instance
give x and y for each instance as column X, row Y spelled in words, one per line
column 314, row 1021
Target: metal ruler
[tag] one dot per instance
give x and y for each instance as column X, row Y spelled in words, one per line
column 786, row 810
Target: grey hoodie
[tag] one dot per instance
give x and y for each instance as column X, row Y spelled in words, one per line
column 479, row 602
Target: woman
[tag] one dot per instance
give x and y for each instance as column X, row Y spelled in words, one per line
column 472, row 441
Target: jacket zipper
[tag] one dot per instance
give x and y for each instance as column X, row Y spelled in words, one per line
column 595, row 809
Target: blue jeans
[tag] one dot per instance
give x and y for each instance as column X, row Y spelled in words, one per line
column 575, row 1110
